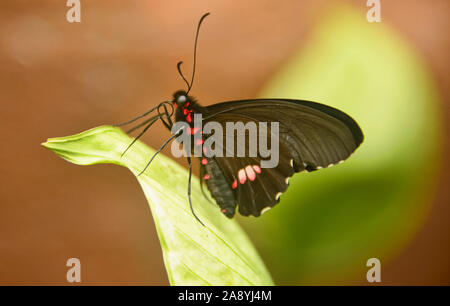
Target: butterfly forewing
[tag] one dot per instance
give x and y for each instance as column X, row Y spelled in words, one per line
column 316, row 134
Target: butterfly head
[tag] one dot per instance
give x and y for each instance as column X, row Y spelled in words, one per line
column 180, row 98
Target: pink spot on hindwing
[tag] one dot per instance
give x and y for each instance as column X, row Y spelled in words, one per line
column 250, row 173
column 242, row 177
column 257, row 169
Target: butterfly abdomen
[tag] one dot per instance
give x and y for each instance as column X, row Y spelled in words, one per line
column 220, row 189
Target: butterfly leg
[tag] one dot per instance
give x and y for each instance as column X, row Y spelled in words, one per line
column 189, row 190
column 165, row 116
column 136, row 118
column 159, row 150
column 141, row 133
column 154, row 118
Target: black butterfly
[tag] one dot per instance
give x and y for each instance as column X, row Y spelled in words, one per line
column 311, row 136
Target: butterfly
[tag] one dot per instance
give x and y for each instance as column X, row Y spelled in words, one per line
column 311, row 136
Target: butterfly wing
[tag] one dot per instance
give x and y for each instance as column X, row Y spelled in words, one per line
column 317, row 135
column 311, row 136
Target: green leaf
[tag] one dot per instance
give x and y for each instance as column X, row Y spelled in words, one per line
column 216, row 254
column 330, row 222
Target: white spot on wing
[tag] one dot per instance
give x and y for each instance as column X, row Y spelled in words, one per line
column 277, row 196
column 265, row 209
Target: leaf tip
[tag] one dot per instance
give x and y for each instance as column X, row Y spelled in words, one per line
column 45, row 144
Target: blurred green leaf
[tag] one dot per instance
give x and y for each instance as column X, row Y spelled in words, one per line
column 218, row 254
column 331, row 221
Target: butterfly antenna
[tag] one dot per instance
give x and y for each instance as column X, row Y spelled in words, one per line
column 181, row 74
column 195, row 50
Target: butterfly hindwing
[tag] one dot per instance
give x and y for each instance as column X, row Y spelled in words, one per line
column 253, row 188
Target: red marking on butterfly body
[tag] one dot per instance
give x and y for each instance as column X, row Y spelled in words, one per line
column 194, row 130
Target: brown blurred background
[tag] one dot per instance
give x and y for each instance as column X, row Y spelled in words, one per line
column 58, row 78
